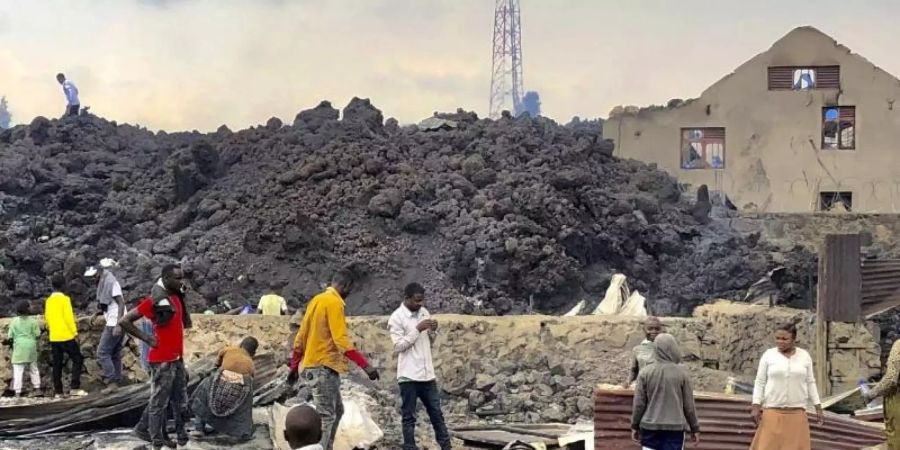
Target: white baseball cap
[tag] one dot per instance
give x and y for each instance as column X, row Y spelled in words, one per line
column 105, row 263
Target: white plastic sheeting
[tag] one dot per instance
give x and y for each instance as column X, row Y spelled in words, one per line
column 356, row 430
column 620, row 301
column 576, row 310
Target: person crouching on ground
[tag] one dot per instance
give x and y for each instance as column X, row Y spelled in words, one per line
column 644, row 353
column 224, row 399
column 785, row 386
column 664, row 401
column 24, row 332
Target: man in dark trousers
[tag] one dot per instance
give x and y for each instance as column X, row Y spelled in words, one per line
column 664, row 401
column 324, row 348
column 412, row 330
column 63, row 330
column 168, row 379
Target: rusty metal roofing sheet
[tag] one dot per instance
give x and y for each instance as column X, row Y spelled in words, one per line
column 880, row 286
column 839, row 278
column 99, row 409
column 725, row 424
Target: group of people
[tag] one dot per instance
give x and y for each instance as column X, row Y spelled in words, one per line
column 785, row 386
column 663, row 408
column 323, row 348
column 25, row 331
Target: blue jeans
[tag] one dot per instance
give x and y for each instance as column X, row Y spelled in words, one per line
column 662, row 440
column 427, row 392
column 147, row 328
column 109, row 355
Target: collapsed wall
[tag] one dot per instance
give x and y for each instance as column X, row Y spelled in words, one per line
column 526, row 368
column 492, row 216
column 743, row 332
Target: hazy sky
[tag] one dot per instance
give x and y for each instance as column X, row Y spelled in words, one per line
column 196, row 64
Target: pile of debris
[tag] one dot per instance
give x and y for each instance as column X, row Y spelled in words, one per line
column 492, row 216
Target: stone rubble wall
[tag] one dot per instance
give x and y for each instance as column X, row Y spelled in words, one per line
column 809, row 230
column 535, row 368
column 854, row 352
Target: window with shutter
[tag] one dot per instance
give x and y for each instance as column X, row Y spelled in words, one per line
column 703, row 148
column 839, row 128
column 800, row 78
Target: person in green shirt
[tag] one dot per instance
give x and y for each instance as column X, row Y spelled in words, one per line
column 24, row 332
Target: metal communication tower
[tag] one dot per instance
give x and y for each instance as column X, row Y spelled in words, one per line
column 506, row 73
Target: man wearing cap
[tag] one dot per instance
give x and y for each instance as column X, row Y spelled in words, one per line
column 112, row 306
column 168, row 379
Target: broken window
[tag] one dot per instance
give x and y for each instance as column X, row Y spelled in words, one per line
column 839, row 128
column 804, row 79
column 800, row 78
column 702, row 148
column 836, row 201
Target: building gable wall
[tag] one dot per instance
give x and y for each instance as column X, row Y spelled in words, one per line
column 773, row 156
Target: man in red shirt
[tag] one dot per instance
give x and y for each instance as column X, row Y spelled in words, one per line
column 168, row 378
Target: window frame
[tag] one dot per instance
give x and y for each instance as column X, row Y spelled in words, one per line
column 839, row 135
column 681, row 148
column 781, row 78
column 822, row 194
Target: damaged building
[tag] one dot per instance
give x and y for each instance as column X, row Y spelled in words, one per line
column 805, row 126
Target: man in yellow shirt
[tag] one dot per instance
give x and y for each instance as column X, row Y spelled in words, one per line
column 63, row 332
column 272, row 304
column 323, row 346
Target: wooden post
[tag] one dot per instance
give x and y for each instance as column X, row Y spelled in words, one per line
column 837, row 297
column 820, row 356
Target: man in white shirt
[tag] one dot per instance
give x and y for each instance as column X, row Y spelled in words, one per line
column 412, row 330
column 112, row 306
column 71, row 92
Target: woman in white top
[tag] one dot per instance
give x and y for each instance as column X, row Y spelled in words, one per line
column 785, row 387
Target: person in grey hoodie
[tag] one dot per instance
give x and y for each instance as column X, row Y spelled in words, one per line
column 664, row 401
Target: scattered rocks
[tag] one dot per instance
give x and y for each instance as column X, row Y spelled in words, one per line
column 491, row 216
column 386, row 204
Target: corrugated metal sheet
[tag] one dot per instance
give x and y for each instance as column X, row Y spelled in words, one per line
column 880, row 285
column 725, row 424
column 101, row 410
column 501, row 434
column 839, row 278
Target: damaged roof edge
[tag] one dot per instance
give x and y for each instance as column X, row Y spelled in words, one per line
column 616, row 112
